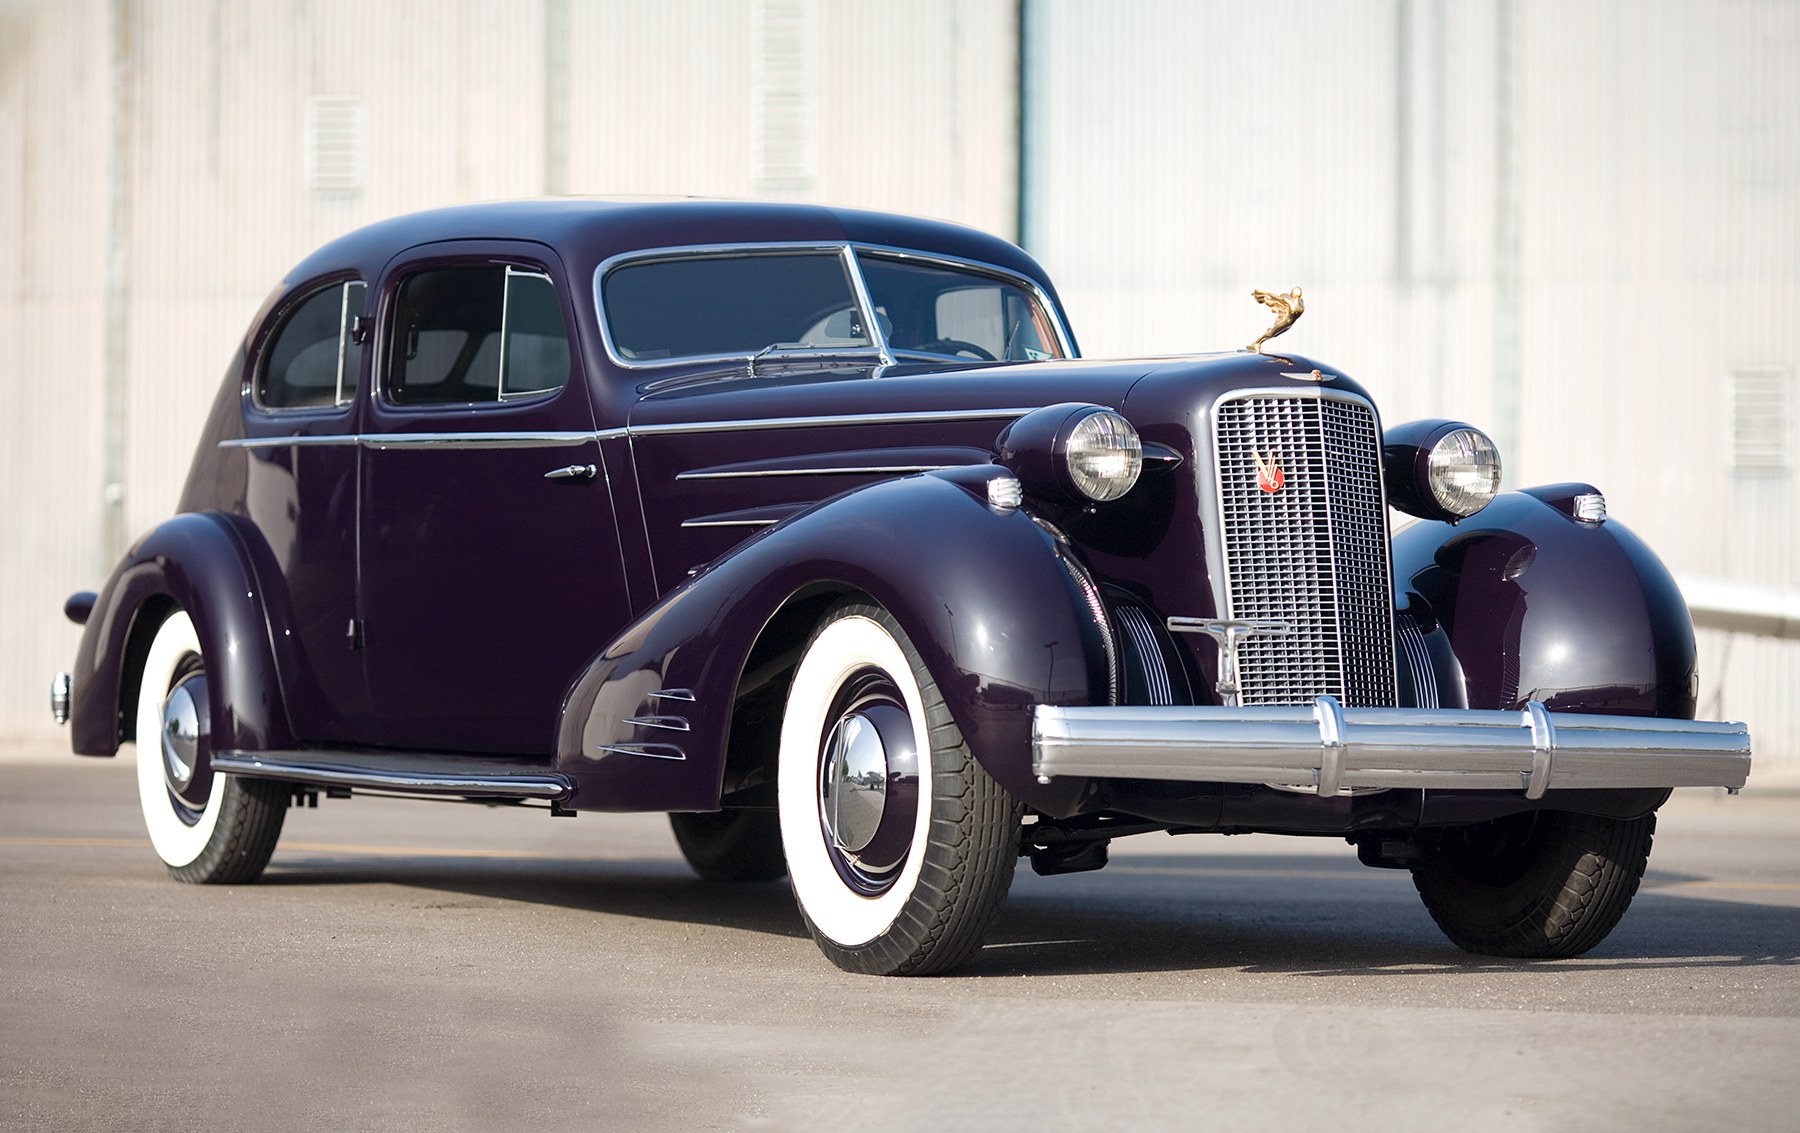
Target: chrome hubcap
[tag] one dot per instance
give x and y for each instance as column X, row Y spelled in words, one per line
column 187, row 764
column 869, row 784
column 855, row 791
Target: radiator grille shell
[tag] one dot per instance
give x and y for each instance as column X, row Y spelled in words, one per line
column 1312, row 553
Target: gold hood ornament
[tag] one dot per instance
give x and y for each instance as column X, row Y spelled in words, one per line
column 1288, row 309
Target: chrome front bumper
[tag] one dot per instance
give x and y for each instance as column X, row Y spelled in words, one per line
column 1329, row 748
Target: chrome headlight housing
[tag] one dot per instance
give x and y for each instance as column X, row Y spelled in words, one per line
column 1444, row 470
column 1083, row 453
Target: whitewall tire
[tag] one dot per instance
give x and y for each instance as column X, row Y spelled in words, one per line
column 206, row 828
column 900, row 847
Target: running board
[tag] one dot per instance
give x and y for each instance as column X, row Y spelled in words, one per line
column 402, row 773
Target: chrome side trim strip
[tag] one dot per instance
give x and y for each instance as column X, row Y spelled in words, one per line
column 480, row 440
column 862, row 470
column 382, row 441
column 730, row 522
column 925, row 416
column 666, row 723
column 1336, row 749
column 295, row 767
column 648, row 751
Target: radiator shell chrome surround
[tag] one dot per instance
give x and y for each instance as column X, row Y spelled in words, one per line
column 1268, row 665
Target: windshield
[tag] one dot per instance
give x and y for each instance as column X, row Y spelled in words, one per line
column 751, row 302
column 930, row 308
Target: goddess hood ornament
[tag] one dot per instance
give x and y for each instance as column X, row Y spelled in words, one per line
column 1288, row 309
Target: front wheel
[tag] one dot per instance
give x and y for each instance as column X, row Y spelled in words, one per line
column 901, row 848
column 207, row 828
column 1543, row 885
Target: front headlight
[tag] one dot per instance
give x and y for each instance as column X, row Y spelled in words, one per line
column 1084, row 453
column 1443, row 470
column 1104, row 456
column 1464, row 471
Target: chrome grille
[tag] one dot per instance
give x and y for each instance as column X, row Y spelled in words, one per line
column 1313, row 553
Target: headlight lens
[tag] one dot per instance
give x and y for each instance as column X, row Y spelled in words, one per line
column 1464, row 471
column 1104, row 456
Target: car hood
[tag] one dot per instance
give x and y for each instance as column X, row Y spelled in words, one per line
column 1149, row 391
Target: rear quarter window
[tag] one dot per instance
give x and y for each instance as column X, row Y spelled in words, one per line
column 312, row 360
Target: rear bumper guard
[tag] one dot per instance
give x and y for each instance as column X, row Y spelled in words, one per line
column 1329, row 748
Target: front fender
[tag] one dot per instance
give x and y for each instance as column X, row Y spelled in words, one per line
column 1539, row 605
column 981, row 592
column 200, row 563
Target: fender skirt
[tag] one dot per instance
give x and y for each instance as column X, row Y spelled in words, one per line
column 981, row 591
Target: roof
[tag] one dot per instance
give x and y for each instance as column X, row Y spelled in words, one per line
column 587, row 231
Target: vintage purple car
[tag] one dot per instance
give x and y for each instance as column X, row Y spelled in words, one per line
column 809, row 527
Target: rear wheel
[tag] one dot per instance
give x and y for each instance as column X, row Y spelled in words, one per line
column 1541, row 885
column 901, row 848
column 207, row 828
column 731, row 845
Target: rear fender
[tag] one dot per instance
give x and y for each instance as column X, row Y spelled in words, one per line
column 1538, row 605
column 983, row 593
column 198, row 562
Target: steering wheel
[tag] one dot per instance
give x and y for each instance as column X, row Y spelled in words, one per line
column 955, row 346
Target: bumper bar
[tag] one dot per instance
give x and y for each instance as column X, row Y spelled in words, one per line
column 1328, row 747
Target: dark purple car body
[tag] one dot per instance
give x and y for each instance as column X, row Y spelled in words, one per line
column 773, row 517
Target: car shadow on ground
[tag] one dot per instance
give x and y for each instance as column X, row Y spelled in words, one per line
column 1266, row 913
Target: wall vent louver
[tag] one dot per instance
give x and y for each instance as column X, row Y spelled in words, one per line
column 784, row 99
column 336, row 148
column 1761, row 421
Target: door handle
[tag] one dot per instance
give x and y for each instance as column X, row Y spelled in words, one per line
column 576, row 473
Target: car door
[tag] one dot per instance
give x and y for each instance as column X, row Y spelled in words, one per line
column 489, row 564
column 300, row 416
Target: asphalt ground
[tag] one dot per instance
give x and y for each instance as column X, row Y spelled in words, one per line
column 407, row 965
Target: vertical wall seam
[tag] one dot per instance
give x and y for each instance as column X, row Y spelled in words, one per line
column 115, row 349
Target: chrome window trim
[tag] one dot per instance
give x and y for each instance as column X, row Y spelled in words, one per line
column 500, row 394
column 860, row 288
column 849, row 251
column 344, row 334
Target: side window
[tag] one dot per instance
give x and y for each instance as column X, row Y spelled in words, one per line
column 471, row 334
column 312, row 361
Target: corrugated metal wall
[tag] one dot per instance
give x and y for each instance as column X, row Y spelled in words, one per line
column 1569, row 223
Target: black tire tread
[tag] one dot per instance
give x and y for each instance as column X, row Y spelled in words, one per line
column 241, row 845
column 1586, row 875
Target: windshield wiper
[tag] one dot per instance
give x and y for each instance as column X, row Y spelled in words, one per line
column 856, row 350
